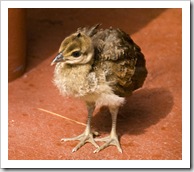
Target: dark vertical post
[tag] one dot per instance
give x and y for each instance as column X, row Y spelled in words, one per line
column 16, row 42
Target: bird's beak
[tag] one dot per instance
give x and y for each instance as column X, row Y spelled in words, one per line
column 58, row 58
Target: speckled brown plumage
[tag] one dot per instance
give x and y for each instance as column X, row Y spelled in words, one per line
column 116, row 53
column 101, row 67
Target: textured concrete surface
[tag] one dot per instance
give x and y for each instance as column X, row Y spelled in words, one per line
column 149, row 124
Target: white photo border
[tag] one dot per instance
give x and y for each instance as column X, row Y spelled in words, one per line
column 184, row 163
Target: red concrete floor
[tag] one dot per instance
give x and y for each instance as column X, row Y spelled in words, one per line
column 149, row 124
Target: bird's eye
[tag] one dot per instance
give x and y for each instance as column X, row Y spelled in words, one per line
column 76, row 54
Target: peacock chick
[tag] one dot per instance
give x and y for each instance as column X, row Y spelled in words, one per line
column 102, row 67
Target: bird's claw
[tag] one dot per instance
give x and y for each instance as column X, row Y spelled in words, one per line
column 83, row 138
column 110, row 140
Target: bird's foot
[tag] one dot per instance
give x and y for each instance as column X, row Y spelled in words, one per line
column 83, row 138
column 109, row 140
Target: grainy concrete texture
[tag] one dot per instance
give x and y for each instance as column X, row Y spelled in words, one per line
column 149, row 124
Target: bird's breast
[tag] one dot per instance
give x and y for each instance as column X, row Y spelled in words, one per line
column 78, row 81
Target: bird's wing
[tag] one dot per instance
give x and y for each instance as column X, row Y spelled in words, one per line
column 117, row 54
column 114, row 44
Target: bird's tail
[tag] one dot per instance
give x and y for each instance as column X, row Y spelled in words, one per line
column 90, row 31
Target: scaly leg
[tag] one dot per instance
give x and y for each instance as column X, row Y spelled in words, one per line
column 112, row 139
column 87, row 135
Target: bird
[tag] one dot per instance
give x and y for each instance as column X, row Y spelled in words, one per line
column 101, row 67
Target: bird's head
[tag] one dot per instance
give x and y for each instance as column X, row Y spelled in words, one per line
column 75, row 49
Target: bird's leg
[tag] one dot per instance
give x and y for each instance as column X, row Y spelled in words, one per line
column 112, row 139
column 87, row 135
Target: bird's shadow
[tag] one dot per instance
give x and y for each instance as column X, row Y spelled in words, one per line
column 144, row 108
